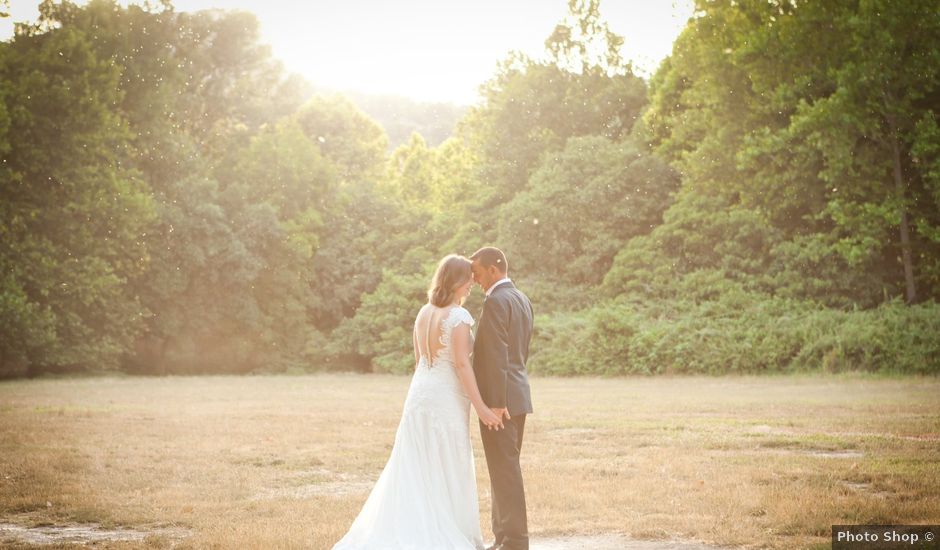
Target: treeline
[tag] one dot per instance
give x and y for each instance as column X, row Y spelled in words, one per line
column 400, row 117
column 173, row 202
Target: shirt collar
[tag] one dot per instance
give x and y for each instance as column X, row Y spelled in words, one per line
column 497, row 283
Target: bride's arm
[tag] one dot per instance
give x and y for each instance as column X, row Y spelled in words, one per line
column 414, row 342
column 460, row 339
column 414, row 336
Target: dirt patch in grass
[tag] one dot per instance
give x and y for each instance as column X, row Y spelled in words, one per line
column 87, row 533
column 612, row 542
column 306, row 484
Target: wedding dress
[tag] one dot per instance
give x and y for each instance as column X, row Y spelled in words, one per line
column 426, row 496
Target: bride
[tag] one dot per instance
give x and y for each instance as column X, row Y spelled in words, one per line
column 426, row 496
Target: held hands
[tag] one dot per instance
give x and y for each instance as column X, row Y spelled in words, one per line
column 489, row 418
column 502, row 413
column 493, row 418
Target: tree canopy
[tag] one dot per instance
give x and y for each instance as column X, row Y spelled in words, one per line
column 172, row 201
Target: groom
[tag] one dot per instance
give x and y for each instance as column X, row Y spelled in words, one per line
column 499, row 355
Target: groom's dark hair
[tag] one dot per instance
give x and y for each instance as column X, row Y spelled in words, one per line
column 491, row 256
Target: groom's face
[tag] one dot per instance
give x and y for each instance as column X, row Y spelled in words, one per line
column 484, row 276
column 479, row 274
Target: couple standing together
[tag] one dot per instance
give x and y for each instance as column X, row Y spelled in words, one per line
column 426, row 496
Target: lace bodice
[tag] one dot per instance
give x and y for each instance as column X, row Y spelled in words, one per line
column 445, row 353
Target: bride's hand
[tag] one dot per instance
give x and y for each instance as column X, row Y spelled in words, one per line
column 488, row 417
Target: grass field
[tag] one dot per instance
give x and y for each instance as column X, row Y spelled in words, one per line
column 286, row 461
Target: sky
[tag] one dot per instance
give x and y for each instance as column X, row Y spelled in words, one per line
column 427, row 50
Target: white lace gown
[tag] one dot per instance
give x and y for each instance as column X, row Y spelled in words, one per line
column 426, row 496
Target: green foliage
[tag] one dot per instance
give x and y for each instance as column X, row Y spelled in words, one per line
column 740, row 245
column 172, row 201
column 382, row 327
column 345, row 135
column 698, row 232
column 363, row 232
column 736, row 331
column 439, row 181
column 401, row 117
column 369, row 226
column 583, row 42
column 925, row 153
column 413, row 175
column 72, row 216
column 810, row 267
column 242, row 251
column 531, row 107
column 552, row 229
column 814, row 128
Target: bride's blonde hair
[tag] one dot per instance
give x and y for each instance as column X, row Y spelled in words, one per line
column 451, row 274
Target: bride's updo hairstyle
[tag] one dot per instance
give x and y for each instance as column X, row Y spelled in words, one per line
column 451, row 274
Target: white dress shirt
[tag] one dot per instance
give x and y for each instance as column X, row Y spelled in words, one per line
column 497, row 283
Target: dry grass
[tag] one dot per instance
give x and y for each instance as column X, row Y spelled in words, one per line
column 286, row 462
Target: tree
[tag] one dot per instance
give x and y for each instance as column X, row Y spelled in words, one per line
column 532, row 106
column 581, row 206
column 699, row 233
column 401, row 117
column 413, row 177
column 885, row 79
column 73, row 217
column 583, row 43
column 807, row 112
column 346, row 136
column 128, row 235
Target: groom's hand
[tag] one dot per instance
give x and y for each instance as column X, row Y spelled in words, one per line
column 501, row 413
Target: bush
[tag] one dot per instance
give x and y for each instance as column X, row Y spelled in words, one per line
column 381, row 330
column 736, row 331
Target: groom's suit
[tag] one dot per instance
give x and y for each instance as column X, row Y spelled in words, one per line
column 500, row 351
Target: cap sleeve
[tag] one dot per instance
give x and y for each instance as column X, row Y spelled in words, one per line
column 461, row 315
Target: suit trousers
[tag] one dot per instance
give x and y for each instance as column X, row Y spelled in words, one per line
column 502, row 449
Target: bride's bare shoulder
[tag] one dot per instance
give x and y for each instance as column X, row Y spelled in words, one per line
column 421, row 311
